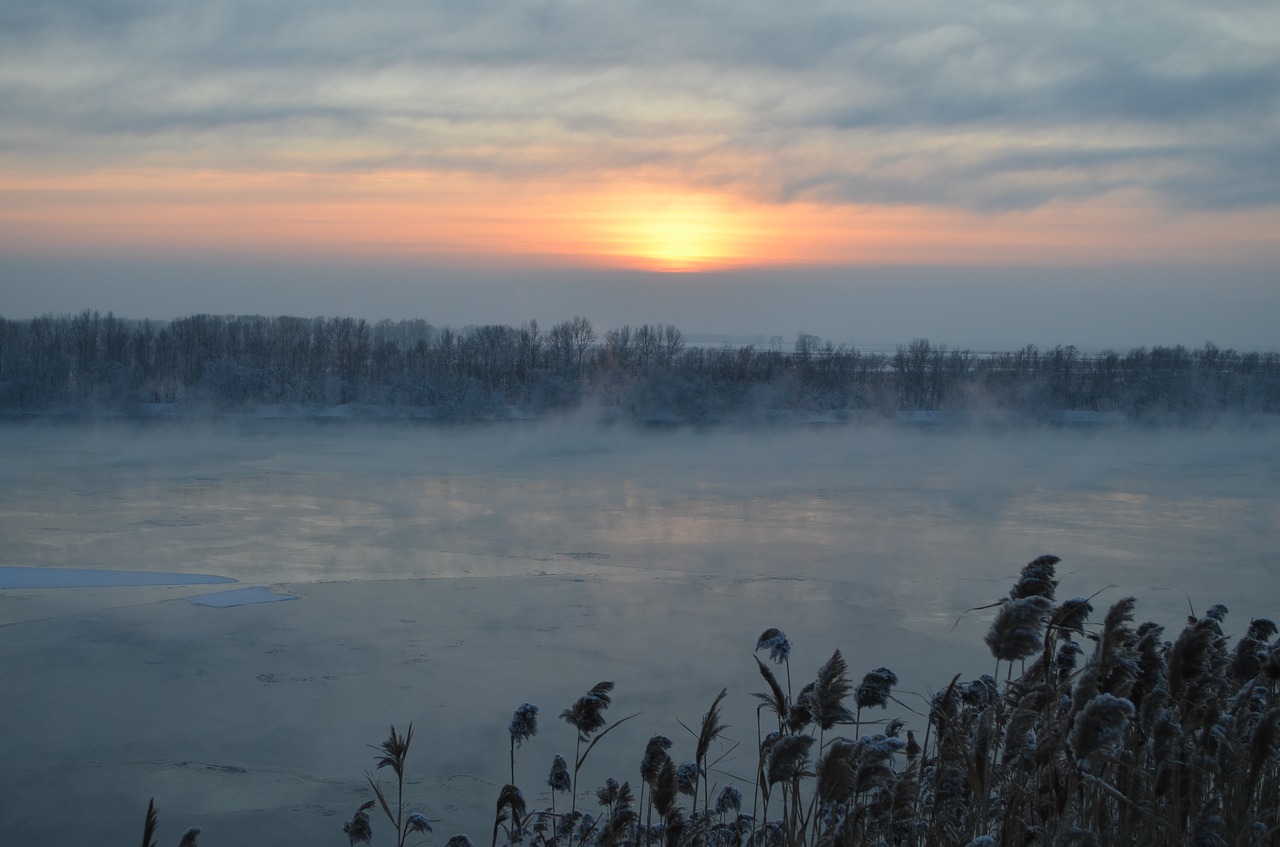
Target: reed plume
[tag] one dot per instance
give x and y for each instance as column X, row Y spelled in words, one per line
column 788, row 758
column 730, row 799
column 587, row 716
column 559, row 779
column 655, row 760
column 776, row 641
column 151, row 824
column 523, row 726
column 779, row 647
column 510, row 808
column 1070, row 616
column 873, row 691
column 837, row 772
column 622, row 818
column 828, row 693
column 800, row 713
column 774, row 699
column 394, row 752
column 1114, row 664
column 1016, row 632
column 665, row 788
column 874, row 688
column 655, row 753
column 1037, row 579
column 687, row 778
column 1100, row 726
column 1251, row 650
column 1197, row 663
column 360, row 829
column 1271, row 664
column 524, row 723
column 710, row 730
column 587, row 713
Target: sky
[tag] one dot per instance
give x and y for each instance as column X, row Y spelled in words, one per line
column 981, row 174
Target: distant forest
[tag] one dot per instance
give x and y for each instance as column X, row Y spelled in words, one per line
column 94, row 363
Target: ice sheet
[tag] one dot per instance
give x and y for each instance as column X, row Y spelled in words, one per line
column 452, row 574
column 240, row 597
column 17, row 577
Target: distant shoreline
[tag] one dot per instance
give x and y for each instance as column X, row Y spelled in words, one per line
column 610, row 416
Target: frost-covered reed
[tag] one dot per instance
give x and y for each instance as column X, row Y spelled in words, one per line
column 1098, row 734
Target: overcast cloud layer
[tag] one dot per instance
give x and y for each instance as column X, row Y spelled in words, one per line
column 986, row 106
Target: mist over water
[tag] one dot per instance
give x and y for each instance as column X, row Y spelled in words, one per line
column 279, row 502
column 447, row 574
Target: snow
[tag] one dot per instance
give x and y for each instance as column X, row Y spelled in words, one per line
column 15, row 577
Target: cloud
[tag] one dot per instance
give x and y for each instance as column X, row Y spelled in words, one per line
column 986, row 106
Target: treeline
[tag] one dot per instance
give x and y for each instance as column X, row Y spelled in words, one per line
column 95, row 362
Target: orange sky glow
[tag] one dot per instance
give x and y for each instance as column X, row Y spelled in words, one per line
column 852, row 170
column 625, row 223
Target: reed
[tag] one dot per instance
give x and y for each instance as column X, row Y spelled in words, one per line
column 190, row 838
column 1098, row 734
column 392, row 753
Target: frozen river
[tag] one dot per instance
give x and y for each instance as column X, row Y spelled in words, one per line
column 444, row 575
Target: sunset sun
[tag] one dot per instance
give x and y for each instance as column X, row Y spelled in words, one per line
column 675, row 231
column 684, row 236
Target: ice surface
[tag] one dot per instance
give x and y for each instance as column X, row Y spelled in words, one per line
column 452, row 573
column 15, row 577
column 240, row 597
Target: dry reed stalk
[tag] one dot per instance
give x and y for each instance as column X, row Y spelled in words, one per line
column 394, row 752
column 1146, row 743
column 710, row 730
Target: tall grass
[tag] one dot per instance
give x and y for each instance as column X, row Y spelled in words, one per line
column 1085, row 734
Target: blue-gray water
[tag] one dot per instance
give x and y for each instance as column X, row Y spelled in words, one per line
column 447, row 574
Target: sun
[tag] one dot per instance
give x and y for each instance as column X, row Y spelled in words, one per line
column 687, row 235
column 674, row 231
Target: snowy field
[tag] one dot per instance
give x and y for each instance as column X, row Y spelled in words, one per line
column 443, row 575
